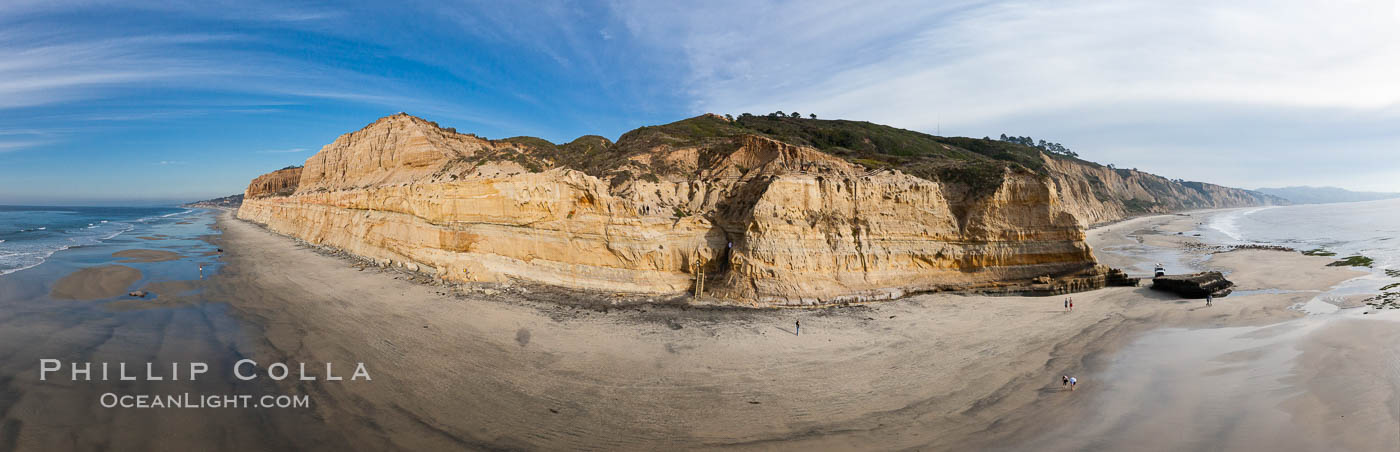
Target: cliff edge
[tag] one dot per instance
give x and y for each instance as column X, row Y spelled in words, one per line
column 770, row 210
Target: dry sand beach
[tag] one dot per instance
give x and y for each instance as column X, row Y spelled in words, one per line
column 931, row 371
column 455, row 368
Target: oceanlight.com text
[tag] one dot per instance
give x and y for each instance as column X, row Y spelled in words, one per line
column 187, row 400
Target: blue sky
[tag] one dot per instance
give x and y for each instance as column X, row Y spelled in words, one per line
column 140, row 102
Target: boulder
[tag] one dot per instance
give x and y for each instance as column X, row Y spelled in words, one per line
column 1195, row 285
column 137, row 294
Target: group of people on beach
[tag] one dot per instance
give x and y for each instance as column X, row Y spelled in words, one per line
column 1067, row 381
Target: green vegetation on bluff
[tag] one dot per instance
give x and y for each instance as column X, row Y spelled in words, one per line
column 978, row 163
column 870, row 141
column 981, row 165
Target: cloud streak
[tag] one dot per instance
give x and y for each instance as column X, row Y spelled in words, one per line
column 15, row 145
column 1067, row 70
column 1245, row 93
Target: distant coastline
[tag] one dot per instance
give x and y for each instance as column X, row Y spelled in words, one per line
column 1323, row 195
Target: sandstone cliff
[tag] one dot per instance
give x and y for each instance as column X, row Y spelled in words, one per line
column 282, row 182
column 773, row 211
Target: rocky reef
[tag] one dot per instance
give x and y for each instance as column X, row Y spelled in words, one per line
column 812, row 212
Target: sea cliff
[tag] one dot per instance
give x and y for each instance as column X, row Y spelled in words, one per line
column 772, row 211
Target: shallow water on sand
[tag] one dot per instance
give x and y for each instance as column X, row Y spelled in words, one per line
column 29, row 235
column 173, row 325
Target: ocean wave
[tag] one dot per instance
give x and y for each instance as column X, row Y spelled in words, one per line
column 1228, row 223
column 28, row 254
column 11, row 263
column 168, row 215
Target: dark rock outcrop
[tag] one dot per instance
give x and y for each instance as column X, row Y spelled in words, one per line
column 1116, row 277
column 1195, row 285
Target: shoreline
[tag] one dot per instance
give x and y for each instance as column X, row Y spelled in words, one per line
column 513, row 367
column 998, row 358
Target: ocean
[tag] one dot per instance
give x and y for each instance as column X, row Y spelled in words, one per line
column 1370, row 229
column 31, row 234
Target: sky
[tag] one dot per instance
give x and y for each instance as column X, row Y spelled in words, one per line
column 138, row 102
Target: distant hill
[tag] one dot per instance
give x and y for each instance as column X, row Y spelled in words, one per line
column 228, row 202
column 1321, row 195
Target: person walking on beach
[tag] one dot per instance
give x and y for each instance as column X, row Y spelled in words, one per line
column 1208, row 300
column 1072, row 381
column 1064, row 381
column 1071, row 304
column 1066, row 304
column 798, row 331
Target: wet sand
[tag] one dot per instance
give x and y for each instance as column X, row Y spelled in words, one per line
column 459, row 370
column 176, row 327
column 136, row 256
column 1319, row 382
column 931, row 371
column 95, row 283
column 1304, row 385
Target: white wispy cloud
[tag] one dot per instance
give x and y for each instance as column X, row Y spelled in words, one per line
column 1069, row 70
column 43, row 63
column 15, row 145
column 982, row 60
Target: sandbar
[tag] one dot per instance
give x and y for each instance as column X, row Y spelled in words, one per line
column 137, row 256
column 94, row 283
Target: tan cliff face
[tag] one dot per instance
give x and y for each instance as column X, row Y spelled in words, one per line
column 769, row 223
column 282, row 182
column 1102, row 194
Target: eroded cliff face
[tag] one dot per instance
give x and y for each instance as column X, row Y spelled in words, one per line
column 282, row 182
column 1102, row 194
column 768, row 222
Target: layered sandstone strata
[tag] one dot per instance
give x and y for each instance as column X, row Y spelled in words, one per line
column 768, row 222
column 282, row 182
